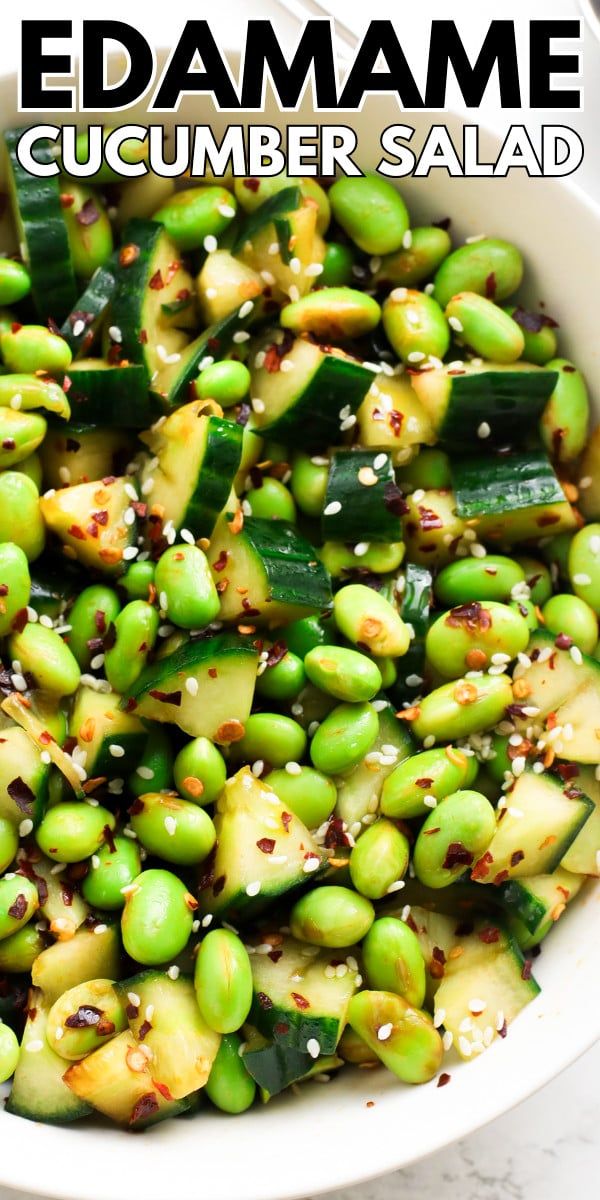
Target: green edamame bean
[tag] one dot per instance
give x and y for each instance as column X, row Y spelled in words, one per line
column 21, row 521
column 43, row 654
column 539, row 338
column 343, row 673
column 491, row 267
column 402, row 1037
column 137, row 580
column 332, row 312
column 196, row 213
column 84, row 1018
column 227, row 382
column 22, row 393
column 309, row 795
column 331, row 916
column 15, row 584
column 306, row 633
column 7, row 320
column 572, row 616
column 337, row 265
column 379, row 859
column 382, row 558
column 452, row 837
column 469, row 637
column 19, row 951
column 430, row 469
column 112, row 868
column 173, row 829
column 223, row 981
column 185, row 587
column 199, row 771
column 32, row 467
column 135, row 631
column 353, row 1049
column 393, row 960
column 73, row 830
column 469, row 579
column 88, row 228
column 462, row 707
column 229, row 1086
column 344, row 737
column 555, row 551
column 9, row 842
column 485, row 328
column 418, row 262
column 20, row 434
column 32, row 348
column 362, row 615
column 18, row 902
column 584, row 565
column 309, row 482
column 284, row 680
column 389, row 672
column 433, row 773
column 371, row 212
column 275, row 739
column 526, row 609
column 15, row 282
column 9, row 1052
column 415, row 325
column 564, row 421
column 537, row 578
column 94, row 610
column 155, row 768
column 157, row 919
column 272, row 501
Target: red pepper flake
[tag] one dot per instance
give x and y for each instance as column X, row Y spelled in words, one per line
column 490, row 286
column 88, row 214
column 516, row 857
column 171, row 271
column 277, row 652
column 266, row 844
column 4, row 589
column 166, row 697
column 251, row 184
column 218, row 885
column 67, row 893
column 444, row 1079
column 489, row 934
column 280, row 1029
column 92, row 529
column 146, row 1106
column 300, row 1001
column 132, row 1011
column 423, row 782
column 265, row 1001
column 144, row 1030
column 9, row 444
column 335, row 835
column 547, row 519
column 428, row 518
column 20, row 620
column 18, row 908
column 394, row 501
column 563, row 641
column 221, row 562
column 395, row 422
column 21, row 793
column 156, row 282
column 533, row 322
column 213, row 673
column 501, row 877
column 101, row 518
column 105, row 1028
column 286, row 820
column 274, row 955
column 248, row 609
column 67, row 199
column 128, row 254
column 482, row 868
column 85, row 1018
column 107, row 834
column 77, row 532
column 140, row 509
column 526, row 971
column 163, row 1089
column 472, row 616
column 457, row 855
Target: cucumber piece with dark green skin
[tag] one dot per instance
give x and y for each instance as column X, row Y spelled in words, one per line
column 42, row 232
column 567, row 689
column 513, row 496
column 279, row 570
column 417, row 601
column 467, row 403
column 271, row 211
column 306, row 392
column 176, row 379
column 83, row 323
column 38, row 1091
column 534, row 903
column 52, row 583
column 360, row 498
column 98, row 724
column 132, row 1098
column 115, row 396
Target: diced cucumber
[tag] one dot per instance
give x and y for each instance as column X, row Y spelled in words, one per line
column 176, row 379
column 583, row 855
column 564, row 686
column 82, row 324
column 117, row 1080
column 117, row 396
column 534, row 903
column 23, row 777
column 88, row 519
column 508, row 399
column 513, row 497
column 355, row 508
column 359, row 792
column 92, row 953
column 38, row 1091
column 112, row 740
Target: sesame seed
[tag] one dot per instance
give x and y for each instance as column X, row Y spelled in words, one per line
column 314, row 269
column 465, row 1046
column 405, row 914
column 187, row 536
column 379, row 462
column 311, row 864
column 439, row 1017
column 395, row 887
column 399, row 294
column 416, row 356
column 407, row 240
column 173, row 972
column 293, row 293
column 429, row 741
column 210, row 243
column 384, row 1032
column 332, row 509
column 241, row 336
column 130, row 552
column 466, row 1025
column 34, row 1046
column 483, row 430
column 477, row 1006
column 499, row 1020
column 430, row 801
column 348, row 423
column 313, row 1047
column 19, row 682
column 295, row 266
column 115, row 750
column 456, row 324
column 581, row 579
column 367, row 477
column 361, row 548
column 226, row 210
column 293, row 768
column 99, row 929
column 25, row 827
column 585, row 482
column 207, row 920
column 379, row 705
column 252, row 889
column 447, row 1040
column 576, row 655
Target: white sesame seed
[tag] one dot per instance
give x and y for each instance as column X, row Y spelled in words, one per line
column 240, row 336
column 379, row 705
column 252, row 889
column 173, row 972
column 187, row 536
column 483, row 430
column 116, row 751
column 226, row 210
column 477, row 1006
column 99, row 929
column 130, row 552
column 399, row 294
column 576, row 655
column 429, row 741
column 332, row 509
column 581, row 579
column 210, row 243
column 456, row 324
column 348, row 423
column 407, row 240
column 586, row 481
column 314, row 269
column 313, row 1047
column 34, row 1046
column 439, row 1017
column 293, row 293
column 395, row 887
column 25, row 827
column 19, row 682
column 384, row 1032
column 191, row 686
column 361, row 548
column 416, row 356
column 293, row 768
column 466, row 1025
column 207, row 920
column 465, row 1046
column 499, row 1020
column 430, row 801
column 311, row 864
column 447, row 1040
column 295, row 266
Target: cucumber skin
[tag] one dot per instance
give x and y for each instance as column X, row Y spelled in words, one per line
column 94, row 301
column 499, row 399
column 314, row 419
column 285, row 557
column 220, row 463
column 363, row 516
column 521, row 480
column 117, row 397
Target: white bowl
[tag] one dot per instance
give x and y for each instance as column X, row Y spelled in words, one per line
column 327, row 1137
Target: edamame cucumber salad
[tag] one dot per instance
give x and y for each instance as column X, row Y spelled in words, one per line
column 300, row 672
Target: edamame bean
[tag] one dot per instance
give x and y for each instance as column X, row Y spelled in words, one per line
column 113, row 867
column 15, row 282
column 344, row 737
column 337, row 265
column 393, row 960
column 573, row 618
column 351, row 1048
column 462, row 707
column 31, row 348
column 199, row 771
column 527, row 610
column 343, row 673
column 306, row 633
column 584, row 565
column 20, row 434
column 84, row 1018
column 412, row 265
column 389, row 672
column 9, row 1052
column 452, row 837
column 332, row 312
column 470, row 579
column 381, row 558
column 21, row 521
column 137, row 580
column 555, row 551
column 331, row 916
column 430, row 469
column 93, row 612
column 134, row 631
column 470, row 637
column 564, row 421
column 485, row 328
column 402, row 1037
column 173, row 829
column 9, row 842
column 272, row 501
column 155, row 768
column 431, row 774
column 74, row 830
column 19, row 951
column 538, row 334
column 223, row 981
column 15, row 584
column 185, row 587
column 283, row 680
column 195, row 214
column 43, row 654
column 227, row 382
column 371, row 212
column 309, row 482
column 18, row 902
column 157, row 919
column 379, row 859
column 415, row 325
column 275, row 739
column 363, row 616
column 491, row 267
column 537, row 578
column 229, row 1086
column 33, row 391
column 308, row 794
column 88, row 227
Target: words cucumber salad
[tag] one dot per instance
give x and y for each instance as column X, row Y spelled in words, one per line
column 300, row 671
